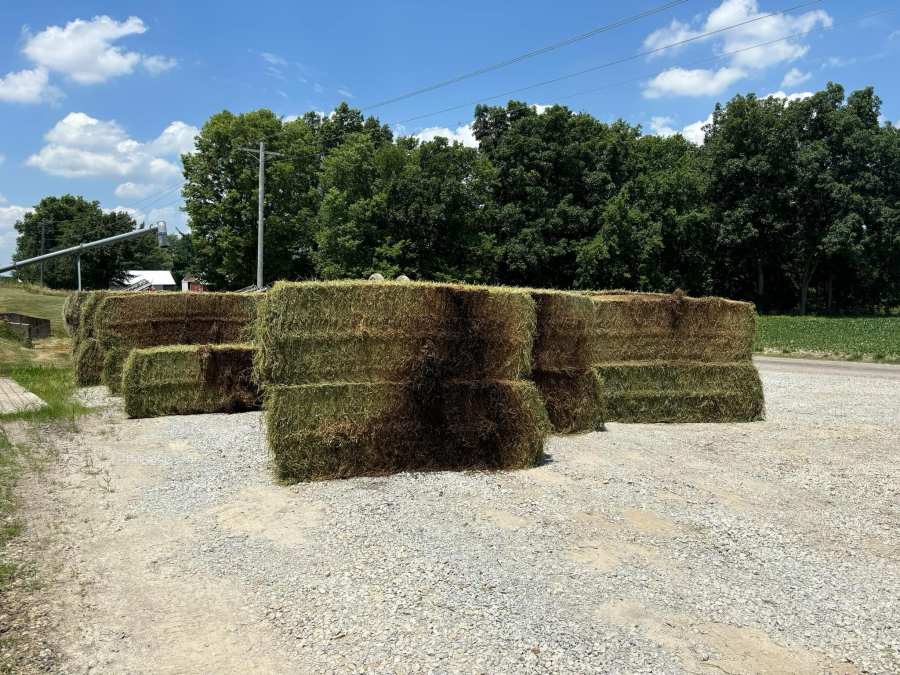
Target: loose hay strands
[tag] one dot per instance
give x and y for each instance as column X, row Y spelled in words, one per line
column 135, row 320
column 383, row 331
column 189, row 379
column 339, row 430
column 682, row 392
column 650, row 326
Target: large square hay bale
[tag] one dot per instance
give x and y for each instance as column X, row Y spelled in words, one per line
column 562, row 355
column 72, row 310
column 86, row 351
column 339, row 430
column 189, row 379
column 351, row 331
column 574, row 400
column 682, row 392
column 135, row 320
column 651, row 326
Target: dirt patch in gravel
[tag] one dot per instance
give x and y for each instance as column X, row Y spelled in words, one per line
column 166, row 545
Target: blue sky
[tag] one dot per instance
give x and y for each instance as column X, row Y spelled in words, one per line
column 99, row 98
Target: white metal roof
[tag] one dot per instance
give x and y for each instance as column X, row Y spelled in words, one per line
column 153, row 277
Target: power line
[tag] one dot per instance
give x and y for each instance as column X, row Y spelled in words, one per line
column 615, row 62
column 530, row 54
column 725, row 55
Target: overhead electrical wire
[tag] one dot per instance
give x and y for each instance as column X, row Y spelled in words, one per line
column 616, row 62
column 725, row 55
column 619, row 23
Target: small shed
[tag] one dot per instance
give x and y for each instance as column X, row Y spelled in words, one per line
column 191, row 284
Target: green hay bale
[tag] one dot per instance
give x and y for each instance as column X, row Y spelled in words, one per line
column 564, row 333
column 650, row 327
column 88, row 363
column 382, row 331
column 136, row 320
column 562, row 371
column 72, row 311
column 682, row 392
column 189, row 380
column 86, row 351
column 574, row 401
column 339, row 430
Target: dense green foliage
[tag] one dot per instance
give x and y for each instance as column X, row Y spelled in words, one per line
column 69, row 221
column 791, row 204
column 839, row 337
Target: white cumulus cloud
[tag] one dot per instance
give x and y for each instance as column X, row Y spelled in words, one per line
column 81, row 146
column 794, row 76
column 9, row 214
column 662, row 126
column 463, row 134
column 695, row 133
column 796, row 96
column 28, row 86
column 696, row 82
column 84, row 51
column 731, row 42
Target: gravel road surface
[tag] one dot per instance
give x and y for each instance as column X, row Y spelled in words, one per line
column 765, row 547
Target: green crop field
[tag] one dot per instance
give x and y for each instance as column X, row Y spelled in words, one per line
column 868, row 338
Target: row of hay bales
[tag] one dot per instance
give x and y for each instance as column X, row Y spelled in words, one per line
column 376, row 377
column 373, row 377
column 109, row 328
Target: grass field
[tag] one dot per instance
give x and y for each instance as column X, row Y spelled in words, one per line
column 866, row 338
column 34, row 301
column 46, row 370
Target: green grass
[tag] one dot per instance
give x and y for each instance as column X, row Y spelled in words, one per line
column 34, row 301
column 866, row 338
column 44, row 371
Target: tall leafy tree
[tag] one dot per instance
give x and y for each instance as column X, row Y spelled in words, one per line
column 221, row 193
column 68, row 221
column 555, row 171
column 406, row 208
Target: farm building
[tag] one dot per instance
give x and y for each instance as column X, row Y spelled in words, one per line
column 148, row 280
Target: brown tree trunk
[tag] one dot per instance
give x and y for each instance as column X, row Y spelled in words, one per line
column 808, row 269
column 760, row 283
column 830, row 290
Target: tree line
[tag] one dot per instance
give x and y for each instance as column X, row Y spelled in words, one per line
column 791, row 204
column 62, row 222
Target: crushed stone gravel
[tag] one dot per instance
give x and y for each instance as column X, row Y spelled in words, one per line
column 772, row 546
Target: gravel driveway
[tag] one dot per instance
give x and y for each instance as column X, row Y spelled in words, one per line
column 766, row 547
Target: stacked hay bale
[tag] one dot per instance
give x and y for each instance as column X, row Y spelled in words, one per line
column 671, row 358
column 72, row 311
column 86, row 351
column 376, row 377
column 562, row 367
column 123, row 322
column 189, row 380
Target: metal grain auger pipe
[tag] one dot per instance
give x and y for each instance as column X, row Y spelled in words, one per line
column 159, row 228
